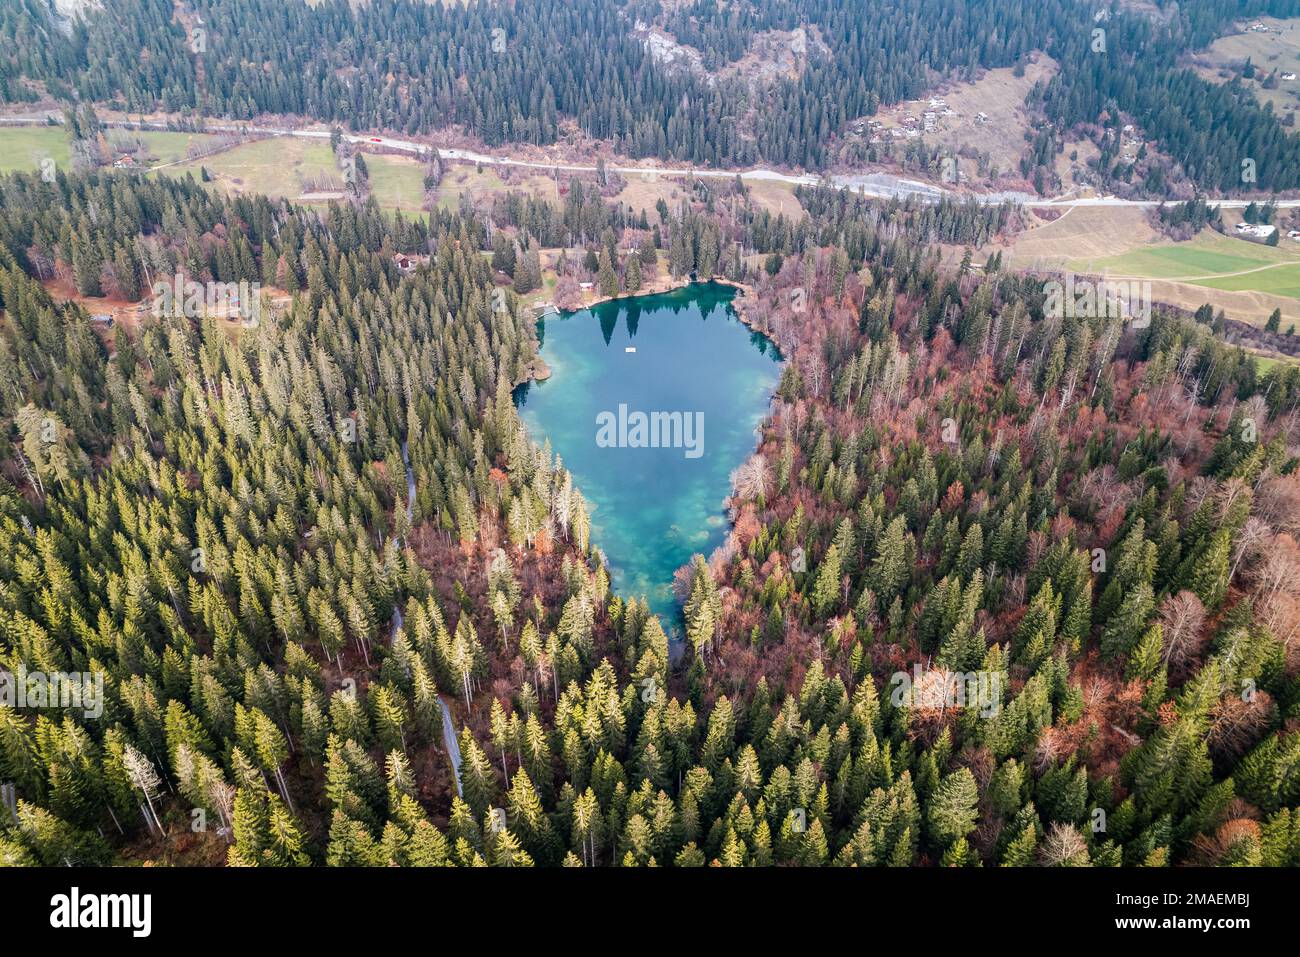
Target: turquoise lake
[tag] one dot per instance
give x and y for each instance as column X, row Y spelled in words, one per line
column 652, row 508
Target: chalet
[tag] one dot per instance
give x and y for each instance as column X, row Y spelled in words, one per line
column 102, row 319
column 585, row 285
column 124, row 161
column 404, row 263
column 981, row 117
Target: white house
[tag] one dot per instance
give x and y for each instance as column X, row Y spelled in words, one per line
column 1257, row 230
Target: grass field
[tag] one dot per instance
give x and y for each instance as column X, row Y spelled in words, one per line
column 1276, row 280
column 162, row 146
column 1246, row 280
column 397, row 183
column 1263, row 363
column 1196, row 260
column 466, row 179
column 278, row 167
column 23, row 147
column 1081, row 232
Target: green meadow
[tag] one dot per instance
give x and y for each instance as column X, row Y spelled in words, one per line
column 1211, row 260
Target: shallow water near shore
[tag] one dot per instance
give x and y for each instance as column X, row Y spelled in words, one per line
column 697, row 386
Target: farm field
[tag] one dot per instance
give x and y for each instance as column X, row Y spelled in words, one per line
column 397, row 183
column 1246, row 280
column 641, row 192
column 23, row 147
column 163, row 146
column 1282, row 280
column 1200, row 259
column 1078, row 233
column 278, row 167
column 776, row 197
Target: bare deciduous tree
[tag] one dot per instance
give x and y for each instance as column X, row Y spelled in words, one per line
column 145, row 780
column 1063, row 846
column 1182, row 618
column 753, row 479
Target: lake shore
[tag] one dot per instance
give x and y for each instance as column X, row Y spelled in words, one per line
column 698, row 365
column 658, row 286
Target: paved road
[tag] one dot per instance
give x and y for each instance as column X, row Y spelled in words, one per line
column 876, row 184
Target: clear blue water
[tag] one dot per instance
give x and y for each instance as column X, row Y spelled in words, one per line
column 652, row 508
